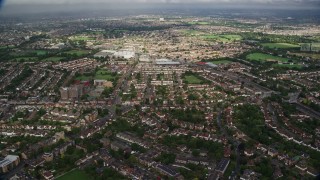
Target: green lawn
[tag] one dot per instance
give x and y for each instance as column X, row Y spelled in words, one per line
column 223, row 38
column 78, row 52
column 54, row 59
column 279, row 45
column 221, row 62
column 199, row 23
column 100, row 75
column 104, row 75
column 191, row 32
column 40, row 52
column 192, row 79
column 25, row 59
column 264, row 57
column 83, row 78
column 5, row 47
column 75, row 174
column 82, row 38
column 288, row 65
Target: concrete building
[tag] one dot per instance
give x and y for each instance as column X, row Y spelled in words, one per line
column 103, row 83
column 8, row 163
column 71, row 93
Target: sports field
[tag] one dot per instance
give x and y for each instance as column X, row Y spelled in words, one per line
column 223, row 38
column 78, row 52
column 288, row 65
column 192, row 79
column 265, row 57
column 279, row 45
column 199, row 23
column 82, row 38
column 75, row 174
column 54, row 59
column 221, row 62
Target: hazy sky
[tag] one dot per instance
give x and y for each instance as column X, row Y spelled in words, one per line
column 282, row 2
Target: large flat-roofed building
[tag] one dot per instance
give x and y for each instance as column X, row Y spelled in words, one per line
column 123, row 53
column 8, row 163
column 104, row 54
column 73, row 93
column 144, row 58
column 166, row 62
column 223, row 165
column 103, row 83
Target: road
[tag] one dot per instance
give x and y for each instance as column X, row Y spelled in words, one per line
column 235, row 144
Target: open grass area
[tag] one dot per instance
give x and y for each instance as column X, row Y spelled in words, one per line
column 78, row 52
column 40, row 52
column 265, row 57
column 25, row 59
column 82, row 38
column 75, row 174
column 99, row 75
column 199, row 23
column 279, row 45
column 191, row 79
column 5, row 47
column 54, row 59
column 83, row 78
column 192, row 32
column 222, row 38
column 221, row 62
column 310, row 55
column 104, row 75
column 288, row 65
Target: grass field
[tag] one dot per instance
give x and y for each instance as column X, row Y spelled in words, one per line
column 221, row 62
column 75, row 174
column 25, row 59
column 54, row 59
column 311, row 55
column 193, row 79
column 288, row 65
column 100, row 75
column 222, row 38
column 264, row 57
column 104, row 75
column 82, row 38
column 83, row 78
column 78, row 52
column 192, row 32
column 5, row 47
column 199, row 23
column 279, row 45
column 40, row 52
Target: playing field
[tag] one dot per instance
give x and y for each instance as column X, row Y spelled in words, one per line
column 75, row 174
column 288, row 65
column 54, row 59
column 221, row 62
column 265, row 57
column 199, row 23
column 192, row 32
column 222, row 38
column 82, row 38
column 279, row 45
column 78, row 52
column 40, row 52
column 32, row 59
column 104, row 75
column 311, row 55
column 192, row 80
